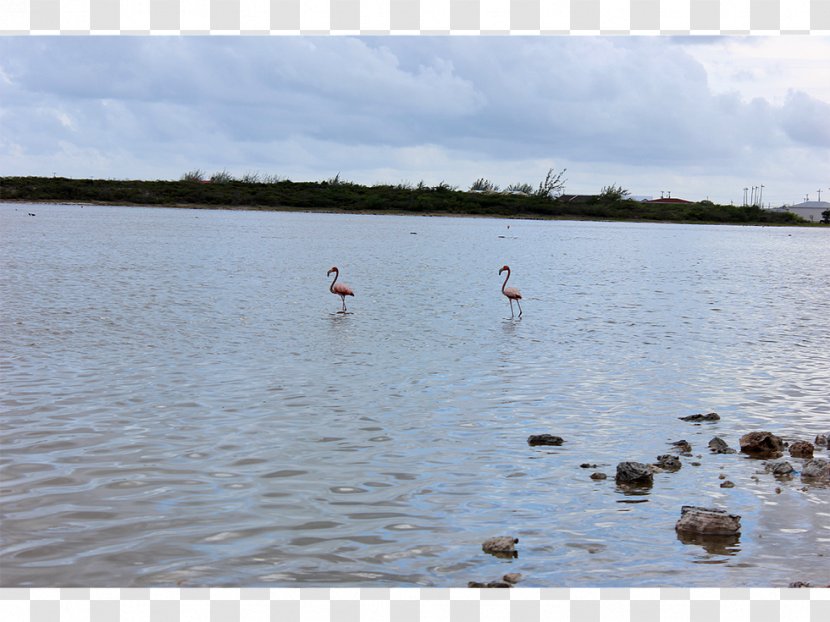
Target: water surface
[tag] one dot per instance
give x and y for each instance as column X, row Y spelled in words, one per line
column 182, row 405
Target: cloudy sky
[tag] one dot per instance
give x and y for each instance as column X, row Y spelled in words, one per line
column 699, row 117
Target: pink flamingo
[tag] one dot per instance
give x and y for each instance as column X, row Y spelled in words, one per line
column 511, row 292
column 341, row 289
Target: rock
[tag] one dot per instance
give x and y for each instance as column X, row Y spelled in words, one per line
column 699, row 417
column 599, row 476
column 800, row 584
column 707, row 521
column 683, row 446
column 761, row 444
column 501, row 546
column 586, row 465
column 512, row 577
column 801, row 449
column 544, row 439
column 782, row 467
column 823, row 439
column 722, row 476
column 777, row 490
column 817, row 468
column 490, row 584
column 695, row 463
column 727, row 484
column 634, row 474
column 669, row 462
column 719, row 446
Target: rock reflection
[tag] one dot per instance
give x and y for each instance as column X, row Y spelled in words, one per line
column 714, row 545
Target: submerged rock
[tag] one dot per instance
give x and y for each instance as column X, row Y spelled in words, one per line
column 634, row 474
column 801, row 449
column 501, row 546
column 761, row 444
column 544, row 439
column 719, row 446
column 817, row 468
column 707, row 521
column 823, row 439
column 669, row 462
column 599, row 476
column 700, row 417
column 683, row 446
column 727, row 484
column 587, row 465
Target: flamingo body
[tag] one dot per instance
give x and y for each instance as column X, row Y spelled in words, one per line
column 510, row 292
column 341, row 289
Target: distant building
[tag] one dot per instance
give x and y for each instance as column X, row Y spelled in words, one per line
column 808, row 210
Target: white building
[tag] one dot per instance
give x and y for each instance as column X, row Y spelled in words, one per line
column 808, row 210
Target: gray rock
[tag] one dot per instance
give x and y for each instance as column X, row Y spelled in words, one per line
column 761, row 444
column 707, row 521
column 544, row 439
column 512, row 577
column 822, row 439
column 500, row 545
column 700, row 417
column 801, row 449
column 599, row 476
column 817, row 468
column 587, row 465
column 719, row 446
column 782, row 467
column 634, row 474
column 669, row 462
column 727, row 484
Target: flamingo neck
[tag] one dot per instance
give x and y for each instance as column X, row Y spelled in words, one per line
column 505, row 280
column 331, row 287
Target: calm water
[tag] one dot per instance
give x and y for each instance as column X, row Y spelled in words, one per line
column 183, row 406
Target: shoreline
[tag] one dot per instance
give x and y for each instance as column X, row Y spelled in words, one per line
column 370, row 212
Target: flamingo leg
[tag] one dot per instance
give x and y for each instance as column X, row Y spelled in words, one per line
column 511, row 307
column 343, row 298
column 520, row 308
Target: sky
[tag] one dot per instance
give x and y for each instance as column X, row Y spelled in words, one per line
column 696, row 117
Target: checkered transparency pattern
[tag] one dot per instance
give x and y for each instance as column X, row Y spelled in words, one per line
column 413, row 604
column 414, row 16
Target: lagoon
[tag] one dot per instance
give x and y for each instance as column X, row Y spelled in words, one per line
column 183, row 406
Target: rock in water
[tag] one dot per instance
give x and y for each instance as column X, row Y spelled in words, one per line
column 598, row 475
column 801, row 449
column 719, row 446
column 683, row 446
column 822, row 439
column 707, row 521
column 634, row 474
column 500, row 546
column 817, row 468
column 761, row 444
column 669, row 462
column 781, row 467
column 700, row 417
column 544, row 439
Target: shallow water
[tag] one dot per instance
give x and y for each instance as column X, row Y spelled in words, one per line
column 182, row 405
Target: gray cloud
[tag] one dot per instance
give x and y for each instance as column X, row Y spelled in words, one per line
column 372, row 107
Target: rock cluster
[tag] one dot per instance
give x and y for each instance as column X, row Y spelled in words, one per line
column 508, row 580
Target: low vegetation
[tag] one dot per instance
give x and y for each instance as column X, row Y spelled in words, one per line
column 262, row 192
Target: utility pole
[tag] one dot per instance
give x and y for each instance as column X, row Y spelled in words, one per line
column 761, row 196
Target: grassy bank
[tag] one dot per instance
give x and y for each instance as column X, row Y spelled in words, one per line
column 335, row 195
